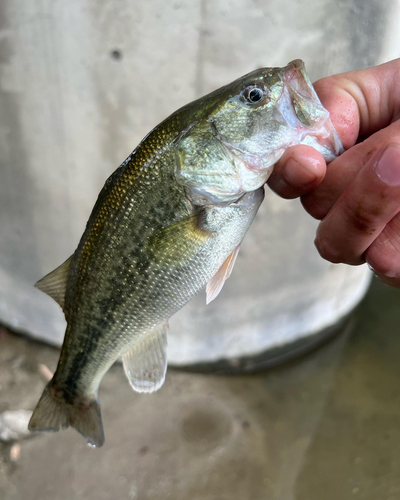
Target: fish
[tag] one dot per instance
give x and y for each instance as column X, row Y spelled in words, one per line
column 168, row 223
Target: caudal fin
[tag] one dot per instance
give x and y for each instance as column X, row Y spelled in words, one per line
column 52, row 414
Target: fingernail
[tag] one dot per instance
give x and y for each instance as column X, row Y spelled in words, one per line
column 387, row 167
column 297, row 174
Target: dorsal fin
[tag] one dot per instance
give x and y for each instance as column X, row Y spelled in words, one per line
column 146, row 364
column 214, row 286
column 55, row 283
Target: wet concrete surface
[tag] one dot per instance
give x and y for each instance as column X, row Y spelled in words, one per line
column 326, row 426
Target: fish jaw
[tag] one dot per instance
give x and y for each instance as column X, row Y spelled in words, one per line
column 303, row 111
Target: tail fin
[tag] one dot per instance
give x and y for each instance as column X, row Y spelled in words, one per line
column 51, row 414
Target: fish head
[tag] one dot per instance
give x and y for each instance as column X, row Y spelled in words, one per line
column 270, row 110
column 246, row 128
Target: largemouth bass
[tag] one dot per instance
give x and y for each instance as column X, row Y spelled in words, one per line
column 169, row 222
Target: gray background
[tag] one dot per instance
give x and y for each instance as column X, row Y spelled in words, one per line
column 71, row 111
column 323, row 427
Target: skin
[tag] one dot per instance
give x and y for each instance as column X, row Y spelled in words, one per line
column 357, row 197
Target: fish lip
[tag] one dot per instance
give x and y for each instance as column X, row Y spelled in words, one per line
column 294, row 69
column 295, row 76
column 296, row 79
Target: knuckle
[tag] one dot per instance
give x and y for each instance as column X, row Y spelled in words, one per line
column 382, row 261
column 327, row 251
column 379, row 266
column 361, row 215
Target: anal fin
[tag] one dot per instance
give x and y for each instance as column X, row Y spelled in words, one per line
column 146, row 364
column 55, row 283
column 214, row 286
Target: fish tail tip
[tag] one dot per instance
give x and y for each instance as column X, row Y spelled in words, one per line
column 52, row 414
column 86, row 419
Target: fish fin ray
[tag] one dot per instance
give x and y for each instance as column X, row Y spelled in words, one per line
column 54, row 284
column 166, row 244
column 214, row 286
column 146, row 364
column 52, row 414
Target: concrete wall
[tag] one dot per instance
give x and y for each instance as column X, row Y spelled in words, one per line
column 82, row 82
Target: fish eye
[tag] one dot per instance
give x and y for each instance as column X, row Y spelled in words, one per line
column 253, row 94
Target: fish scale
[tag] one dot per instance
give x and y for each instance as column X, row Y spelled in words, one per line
column 168, row 222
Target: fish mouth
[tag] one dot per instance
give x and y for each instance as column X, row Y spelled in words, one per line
column 302, row 93
column 295, row 69
column 312, row 118
column 295, row 76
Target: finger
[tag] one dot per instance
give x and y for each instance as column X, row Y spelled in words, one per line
column 342, row 106
column 384, row 254
column 299, row 171
column 341, row 171
column 361, row 102
column 363, row 211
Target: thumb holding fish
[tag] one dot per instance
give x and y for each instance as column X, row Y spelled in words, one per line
column 357, row 197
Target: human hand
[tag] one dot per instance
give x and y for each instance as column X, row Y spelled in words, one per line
column 358, row 196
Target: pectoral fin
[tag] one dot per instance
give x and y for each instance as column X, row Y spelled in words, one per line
column 178, row 242
column 55, row 283
column 214, row 286
column 146, row 364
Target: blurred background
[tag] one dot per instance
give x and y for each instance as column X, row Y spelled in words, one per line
column 81, row 83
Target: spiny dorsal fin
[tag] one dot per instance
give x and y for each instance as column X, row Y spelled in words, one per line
column 214, row 286
column 146, row 364
column 55, row 283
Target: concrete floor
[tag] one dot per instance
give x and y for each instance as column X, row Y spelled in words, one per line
column 324, row 427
